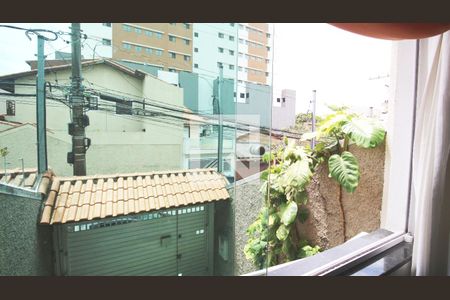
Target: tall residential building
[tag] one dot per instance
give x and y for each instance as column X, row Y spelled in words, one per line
column 255, row 52
column 167, row 46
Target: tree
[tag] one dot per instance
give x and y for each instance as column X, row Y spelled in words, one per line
column 273, row 237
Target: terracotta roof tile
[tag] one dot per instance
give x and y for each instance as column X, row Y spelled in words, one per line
column 81, row 198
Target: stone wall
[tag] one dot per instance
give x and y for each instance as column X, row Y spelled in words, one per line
column 324, row 226
column 25, row 246
column 247, row 202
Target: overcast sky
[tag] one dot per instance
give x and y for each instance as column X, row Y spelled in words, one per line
column 336, row 63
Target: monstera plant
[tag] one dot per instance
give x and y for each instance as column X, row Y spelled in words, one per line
column 274, row 237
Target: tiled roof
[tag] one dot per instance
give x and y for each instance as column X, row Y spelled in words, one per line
column 27, row 179
column 73, row 199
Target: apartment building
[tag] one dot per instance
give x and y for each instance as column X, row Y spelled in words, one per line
column 255, row 52
column 166, row 46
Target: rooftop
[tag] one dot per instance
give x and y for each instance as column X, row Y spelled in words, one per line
column 79, row 198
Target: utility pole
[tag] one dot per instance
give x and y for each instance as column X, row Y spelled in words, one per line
column 41, row 109
column 79, row 120
column 313, row 126
column 220, row 133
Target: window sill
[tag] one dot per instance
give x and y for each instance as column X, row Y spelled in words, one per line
column 338, row 260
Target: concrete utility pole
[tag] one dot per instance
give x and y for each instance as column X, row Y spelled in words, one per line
column 76, row 129
column 313, row 126
column 220, row 133
column 41, row 109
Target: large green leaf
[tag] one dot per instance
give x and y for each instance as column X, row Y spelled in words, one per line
column 345, row 170
column 365, row 133
column 296, row 175
column 289, row 212
column 282, row 232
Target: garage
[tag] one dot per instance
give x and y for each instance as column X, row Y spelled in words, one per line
column 135, row 224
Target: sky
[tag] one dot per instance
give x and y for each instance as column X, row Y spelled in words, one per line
column 335, row 63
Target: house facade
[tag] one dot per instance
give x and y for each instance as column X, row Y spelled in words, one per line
column 113, row 126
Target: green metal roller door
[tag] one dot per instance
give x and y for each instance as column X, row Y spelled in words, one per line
column 170, row 242
column 193, row 242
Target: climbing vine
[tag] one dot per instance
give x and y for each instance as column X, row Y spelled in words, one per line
column 274, row 236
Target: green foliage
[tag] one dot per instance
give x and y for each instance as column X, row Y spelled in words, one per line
column 364, row 133
column 4, row 151
column 344, row 168
column 274, row 238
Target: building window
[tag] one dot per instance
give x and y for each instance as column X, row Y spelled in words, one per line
column 138, row 48
column 221, row 35
column 187, row 58
column 241, row 26
column 231, row 52
column 187, row 26
column 159, row 35
column 220, row 50
column 196, row 34
column 240, row 69
column 172, row 38
column 106, row 42
column 126, row 28
column 195, row 49
column 124, row 107
column 268, row 35
column 268, row 48
column 220, row 65
column 172, row 70
column 196, row 66
column 149, row 50
column 106, row 24
column 267, row 74
column 10, row 107
column 126, row 46
column 173, row 24
column 172, row 55
column 138, row 30
column 247, row 95
column 231, row 38
column 232, row 24
column 187, row 42
column 241, row 41
column 148, row 33
column 158, row 52
column 242, row 95
column 231, row 67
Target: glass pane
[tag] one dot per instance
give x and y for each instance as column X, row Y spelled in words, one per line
column 164, row 127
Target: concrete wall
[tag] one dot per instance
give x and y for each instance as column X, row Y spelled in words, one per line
column 324, row 226
column 108, row 154
column 247, row 202
column 362, row 209
column 26, row 247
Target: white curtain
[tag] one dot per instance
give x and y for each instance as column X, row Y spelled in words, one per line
column 431, row 164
